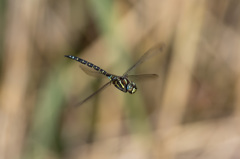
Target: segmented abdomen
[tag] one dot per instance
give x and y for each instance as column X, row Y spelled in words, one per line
column 84, row 62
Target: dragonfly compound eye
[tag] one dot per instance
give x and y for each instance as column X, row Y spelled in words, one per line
column 131, row 88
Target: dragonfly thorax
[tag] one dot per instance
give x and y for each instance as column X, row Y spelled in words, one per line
column 124, row 84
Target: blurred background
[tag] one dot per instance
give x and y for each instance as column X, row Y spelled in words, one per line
column 191, row 111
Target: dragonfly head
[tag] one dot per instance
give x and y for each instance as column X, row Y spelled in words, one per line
column 131, row 88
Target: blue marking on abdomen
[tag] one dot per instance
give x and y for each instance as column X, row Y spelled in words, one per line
column 88, row 64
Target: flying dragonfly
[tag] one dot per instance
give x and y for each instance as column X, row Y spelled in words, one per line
column 123, row 83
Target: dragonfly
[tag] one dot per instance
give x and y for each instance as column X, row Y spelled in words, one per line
column 122, row 83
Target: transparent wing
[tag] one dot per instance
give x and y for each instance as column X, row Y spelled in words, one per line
column 143, row 77
column 91, row 72
column 96, row 92
column 153, row 51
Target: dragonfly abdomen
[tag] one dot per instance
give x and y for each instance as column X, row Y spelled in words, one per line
column 89, row 64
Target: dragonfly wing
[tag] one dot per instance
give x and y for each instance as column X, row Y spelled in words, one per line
column 143, row 77
column 96, row 92
column 91, row 71
column 153, row 51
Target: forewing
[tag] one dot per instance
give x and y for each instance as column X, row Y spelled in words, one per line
column 143, row 77
column 96, row 92
column 151, row 52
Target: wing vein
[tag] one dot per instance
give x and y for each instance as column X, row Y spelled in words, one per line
column 96, row 92
column 145, row 56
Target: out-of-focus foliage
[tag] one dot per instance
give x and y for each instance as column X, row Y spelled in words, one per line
column 190, row 111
